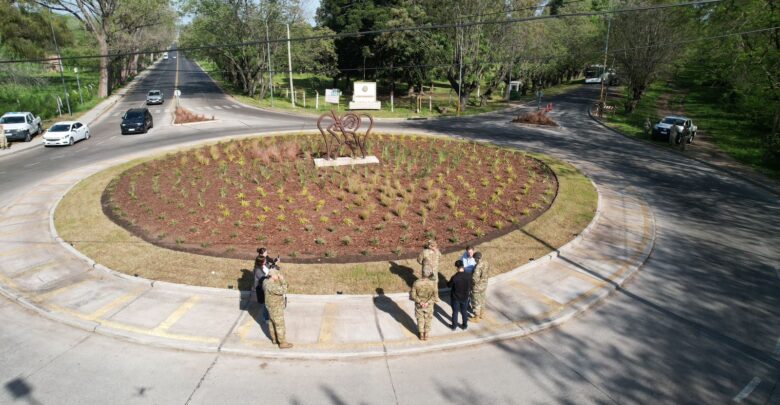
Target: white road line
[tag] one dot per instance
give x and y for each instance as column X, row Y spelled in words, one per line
column 748, row 389
column 206, row 107
column 216, row 107
column 236, row 106
column 32, row 164
column 777, row 346
column 157, row 111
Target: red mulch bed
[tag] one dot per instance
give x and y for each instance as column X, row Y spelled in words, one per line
column 535, row 117
column 185, row 116
column 226, row 199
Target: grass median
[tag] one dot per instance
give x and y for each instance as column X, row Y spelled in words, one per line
column 80, row 221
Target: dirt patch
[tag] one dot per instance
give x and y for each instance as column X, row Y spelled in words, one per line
column 536, row 118
column 223, row 199
column 185, row 116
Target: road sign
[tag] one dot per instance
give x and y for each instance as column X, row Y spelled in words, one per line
column 177, row 93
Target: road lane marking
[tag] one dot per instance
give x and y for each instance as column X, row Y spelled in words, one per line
column 57, row 291
column 328, row 324
column 32, row 164
column 748, row 389
column 216, row 107
column 177, row 314
column 117, row 302
column 206, row 107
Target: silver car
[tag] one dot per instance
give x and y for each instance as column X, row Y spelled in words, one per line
column 155, row 97
column 663, row 129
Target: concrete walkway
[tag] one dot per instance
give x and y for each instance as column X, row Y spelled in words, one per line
column 41, row 272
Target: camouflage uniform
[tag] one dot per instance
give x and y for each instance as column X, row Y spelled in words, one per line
column 3, row 140
column 429, row 259
column 673, row 134
column 424, row 292
column 479, row 288
column 647, row 127
column 275, row 291
column 686, row 134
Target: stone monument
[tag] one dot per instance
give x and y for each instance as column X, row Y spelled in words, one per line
column 364, row 97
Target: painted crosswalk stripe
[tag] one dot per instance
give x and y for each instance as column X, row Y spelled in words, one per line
column 236, row 106
column 206, row 107
column 216, row 107
column 157, row 111
column 748, row 389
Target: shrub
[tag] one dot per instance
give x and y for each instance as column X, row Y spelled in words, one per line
column 346, row 240
column 319, row 241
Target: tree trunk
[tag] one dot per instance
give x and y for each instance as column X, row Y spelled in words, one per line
column 103, row 83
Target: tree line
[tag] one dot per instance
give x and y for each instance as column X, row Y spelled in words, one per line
column 114, row 35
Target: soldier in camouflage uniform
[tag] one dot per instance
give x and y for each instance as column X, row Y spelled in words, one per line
column 3, row 140
column 429, row 259
column 275, row 288
column 479, row 287
column 424, row 296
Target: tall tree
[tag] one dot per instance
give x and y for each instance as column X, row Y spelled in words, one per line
column 641, row 46
column 97, row 16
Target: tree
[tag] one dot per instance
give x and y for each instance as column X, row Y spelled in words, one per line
column 640, row 42
column 97, row 16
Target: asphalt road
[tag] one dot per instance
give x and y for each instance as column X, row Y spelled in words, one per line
column 700, row 323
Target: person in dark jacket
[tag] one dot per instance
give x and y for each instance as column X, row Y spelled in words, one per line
column 460, row 287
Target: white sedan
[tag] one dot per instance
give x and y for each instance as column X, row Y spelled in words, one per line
column 65, row 133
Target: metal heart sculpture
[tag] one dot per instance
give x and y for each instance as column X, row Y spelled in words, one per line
column 344, row 131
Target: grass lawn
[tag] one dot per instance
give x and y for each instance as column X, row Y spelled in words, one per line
column 38, row 94
column 732, row 131
column 404, row 107
column 80, row 220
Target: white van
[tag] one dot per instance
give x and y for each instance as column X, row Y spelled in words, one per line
column 165, row 55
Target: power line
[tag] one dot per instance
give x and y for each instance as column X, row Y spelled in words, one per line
column 665, row 44
column 387, row 30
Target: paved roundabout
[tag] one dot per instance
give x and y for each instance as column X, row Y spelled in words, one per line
column 698, row 323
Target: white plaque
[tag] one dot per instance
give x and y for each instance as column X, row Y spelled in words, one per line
column 332, row 96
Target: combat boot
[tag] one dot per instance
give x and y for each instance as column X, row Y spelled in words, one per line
column 285, row 345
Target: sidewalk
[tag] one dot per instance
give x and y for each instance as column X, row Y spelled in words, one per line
column 87, row 117
column 41, row 272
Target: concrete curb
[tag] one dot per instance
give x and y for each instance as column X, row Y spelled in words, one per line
column 724, row 170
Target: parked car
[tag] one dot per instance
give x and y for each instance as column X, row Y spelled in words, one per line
column 65, row 133
column 136, row 120
column 155, row 97
column 20, row 126
column 165, row 55
column 662, row 129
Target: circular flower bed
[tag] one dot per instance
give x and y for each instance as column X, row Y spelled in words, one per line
column 225, row 199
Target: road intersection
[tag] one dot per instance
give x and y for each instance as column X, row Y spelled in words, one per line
column 699, row 323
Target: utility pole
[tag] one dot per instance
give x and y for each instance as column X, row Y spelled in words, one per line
column 289, row 66
column 270, row 69
column 62, row 71
column 602, row 96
